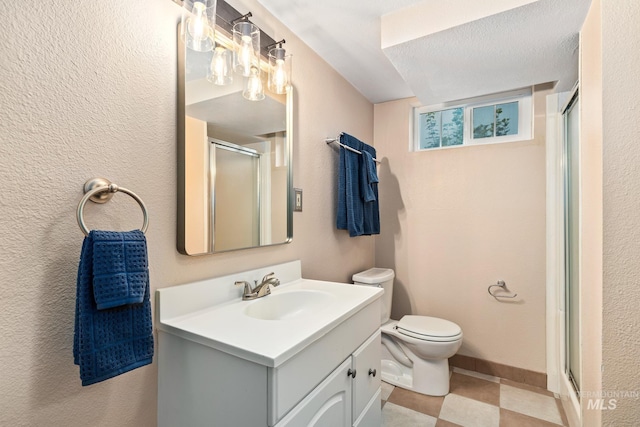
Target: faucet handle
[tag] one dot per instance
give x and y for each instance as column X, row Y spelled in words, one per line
column 247, row 286
column 271, row 275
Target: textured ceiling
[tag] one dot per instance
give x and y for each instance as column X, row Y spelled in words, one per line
column 347, row 35
column 440, row 51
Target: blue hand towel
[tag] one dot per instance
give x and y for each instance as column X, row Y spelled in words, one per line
column 369, row 177
column 355, row 185
column 120, row 270
column 371, row 208
column 111, row 341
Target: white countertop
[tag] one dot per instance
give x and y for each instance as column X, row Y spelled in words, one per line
column 227, row 328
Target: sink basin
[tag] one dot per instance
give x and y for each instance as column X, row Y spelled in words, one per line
column 288, row 305
column 267, row 331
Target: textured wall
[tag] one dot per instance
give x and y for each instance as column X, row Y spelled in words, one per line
column 621, row 199
column 89, row 89
column 457, row 220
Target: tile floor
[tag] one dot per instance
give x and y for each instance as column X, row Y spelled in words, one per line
column 475, row 400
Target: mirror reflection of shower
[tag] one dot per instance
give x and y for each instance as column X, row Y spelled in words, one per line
column 235, row 196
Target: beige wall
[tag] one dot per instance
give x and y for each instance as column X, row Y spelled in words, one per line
column 454, row 221
column 89, row 89
column 591, row 208
column 621, row 200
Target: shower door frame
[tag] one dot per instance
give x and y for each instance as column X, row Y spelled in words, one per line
column 569, row 216
column 557, row 379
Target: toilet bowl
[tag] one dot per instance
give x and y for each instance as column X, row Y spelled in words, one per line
column 416, row 349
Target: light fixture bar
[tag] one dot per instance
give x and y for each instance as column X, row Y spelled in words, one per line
column 278, row 44
column 244, row 17
column 227, row 14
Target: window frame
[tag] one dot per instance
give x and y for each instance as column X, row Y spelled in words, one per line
column 524, row 97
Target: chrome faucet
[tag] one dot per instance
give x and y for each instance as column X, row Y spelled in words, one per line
column 260, row 290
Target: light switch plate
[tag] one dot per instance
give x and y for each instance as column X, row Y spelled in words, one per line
column 297, row 199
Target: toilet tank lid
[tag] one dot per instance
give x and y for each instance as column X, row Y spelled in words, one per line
column 374, row 275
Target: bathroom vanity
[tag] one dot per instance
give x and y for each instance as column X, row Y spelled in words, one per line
column 308, row 354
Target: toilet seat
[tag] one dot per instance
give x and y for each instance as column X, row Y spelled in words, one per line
column 429, row 328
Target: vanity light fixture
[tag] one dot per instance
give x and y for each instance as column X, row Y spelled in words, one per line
column 198, row 24
column 246, row 43
column 279, row 68
column 240, row 53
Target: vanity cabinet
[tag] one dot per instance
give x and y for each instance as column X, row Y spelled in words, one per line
column 200, row 385
column 349, row 396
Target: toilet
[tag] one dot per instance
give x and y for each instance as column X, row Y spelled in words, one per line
column 415, row 349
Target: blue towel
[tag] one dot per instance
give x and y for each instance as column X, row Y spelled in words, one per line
column 358, row 209
column 120, row 270
column 111, row 341
column 371, row 216
column 369, row 177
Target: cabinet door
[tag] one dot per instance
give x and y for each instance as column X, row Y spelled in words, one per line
column 366, row 362
column 328, row 405
column 372, row 414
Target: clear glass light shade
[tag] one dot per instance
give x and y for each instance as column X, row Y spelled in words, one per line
column 279, row 71
column 253, row 90
column 221, row 70
column 246, row 42
column 198, row 24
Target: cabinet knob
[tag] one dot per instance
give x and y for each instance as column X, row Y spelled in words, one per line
column 351, row 373
column 373, row 372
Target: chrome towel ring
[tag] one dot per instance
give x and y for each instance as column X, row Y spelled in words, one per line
column 100, row 190
column 503, row 285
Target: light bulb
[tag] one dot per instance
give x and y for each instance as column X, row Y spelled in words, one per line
column 279, row 71
column 253, row 90
column 198, row 26
column 220, row 70
column 246, row 54
column 280, row 77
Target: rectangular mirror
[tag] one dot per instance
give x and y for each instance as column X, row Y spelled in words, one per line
column 234, row 162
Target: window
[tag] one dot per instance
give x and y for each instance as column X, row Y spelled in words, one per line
column 504, row 117
column 441, row 128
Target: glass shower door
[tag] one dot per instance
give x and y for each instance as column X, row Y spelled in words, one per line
column 235, row 197
column 572, row 241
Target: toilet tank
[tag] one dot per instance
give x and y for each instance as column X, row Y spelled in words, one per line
column 381, row 278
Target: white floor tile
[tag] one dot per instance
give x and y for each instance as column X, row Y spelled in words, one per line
column 468, row 412
column 386, row 390
column 529, row 403
column 398, row 416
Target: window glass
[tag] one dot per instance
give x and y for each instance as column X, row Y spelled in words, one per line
column 430, row 130
column 507, row 119
column 483, row 121
column 452, row 127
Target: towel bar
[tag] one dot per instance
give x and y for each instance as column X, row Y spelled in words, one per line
column 337, row 141
column 100, row 190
